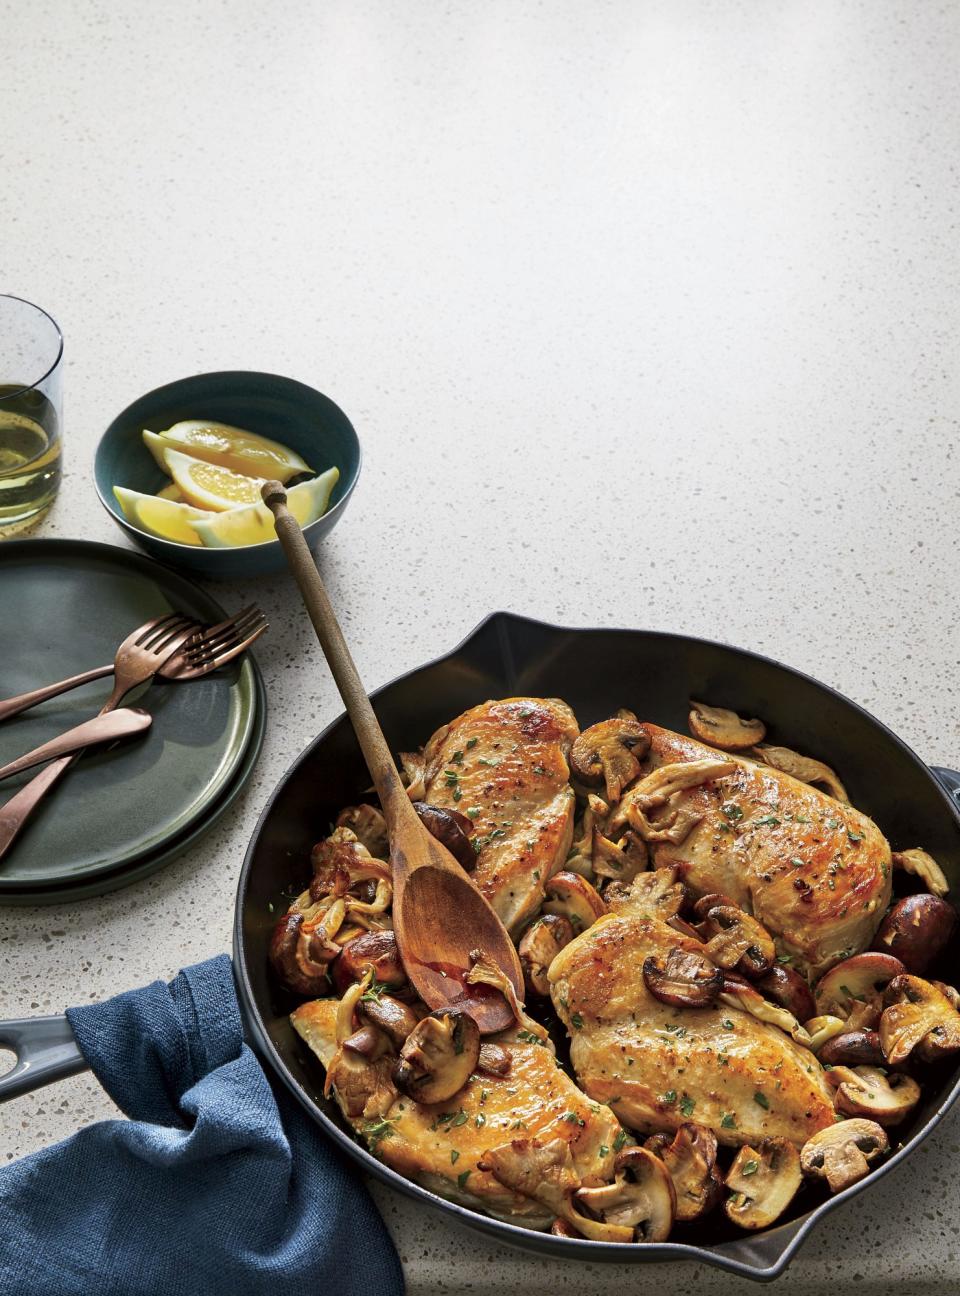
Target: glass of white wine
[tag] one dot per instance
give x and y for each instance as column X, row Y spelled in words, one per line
column 31, row 352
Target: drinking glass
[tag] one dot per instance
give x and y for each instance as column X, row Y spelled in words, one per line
column 31, row 349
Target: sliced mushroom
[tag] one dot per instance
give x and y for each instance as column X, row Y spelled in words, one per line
column 674, row 824
column 868, row 1091
column 397, row 1020
column 369, row 827
column 451, row 829
column 917, row 1019
column 684, row 979
column 916, row 930
column 438, row 1057
column 659, row 786
column 368, row 1042
column 842, row 1153
column 724, row 729
column 574, row 898
column 786, row 987
column 852, row 1048
column 415, row 774
column 691, row 1158
column 641, row 1198
column 610, row 751
column 290, row 958
column 560, row 1228
column 483, row 971
column 622, row 859
column 950, row 992
column 710, row 901
column 923, row 866
column 737, row 940
column 823, row 1029
column 545, row 1172
column 856, row 980
column 738, row 994
column 539, row 946
column 763, row 1181
column 494, row 1059
column 804, row 768
column 375, row 950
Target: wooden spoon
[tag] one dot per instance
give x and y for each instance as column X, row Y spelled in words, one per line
column 439, row 916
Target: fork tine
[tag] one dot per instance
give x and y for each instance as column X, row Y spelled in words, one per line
column 227, row 655
column 207, row 644
column 150, row 628
column 169, row 635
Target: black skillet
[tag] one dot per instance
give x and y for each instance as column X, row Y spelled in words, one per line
column 595, row 671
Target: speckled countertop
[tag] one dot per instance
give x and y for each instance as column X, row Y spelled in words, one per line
column 646, row 312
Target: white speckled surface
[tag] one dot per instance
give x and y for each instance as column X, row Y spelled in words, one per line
column 646, row 313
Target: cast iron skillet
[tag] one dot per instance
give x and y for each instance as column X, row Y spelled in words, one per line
column 595, row 671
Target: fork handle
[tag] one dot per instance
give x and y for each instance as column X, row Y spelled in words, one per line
column 23, row 701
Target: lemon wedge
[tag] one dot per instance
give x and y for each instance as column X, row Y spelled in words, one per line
column 171, row 492
column 208, row 486
column 254, row 525
column 229, row 447
column 168, row 519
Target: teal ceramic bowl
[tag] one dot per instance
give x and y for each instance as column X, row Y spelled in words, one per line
column 280, row 408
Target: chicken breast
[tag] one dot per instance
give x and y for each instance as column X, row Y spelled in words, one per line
column 658, row 1066
column 504, row 764
column 815, row 872
column 440, row 1145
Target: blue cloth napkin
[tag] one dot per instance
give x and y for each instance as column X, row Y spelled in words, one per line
column 215, row 1186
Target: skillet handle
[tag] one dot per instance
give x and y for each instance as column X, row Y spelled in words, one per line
column 46, row 1051
column 950, row 780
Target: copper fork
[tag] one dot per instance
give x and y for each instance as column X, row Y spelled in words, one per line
column 216, row 645
column 136, row 662
column 224, row 638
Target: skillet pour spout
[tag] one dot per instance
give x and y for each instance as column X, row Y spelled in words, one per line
column 596, row 671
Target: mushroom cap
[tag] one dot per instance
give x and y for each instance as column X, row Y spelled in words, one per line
column 789, row 989
column 374, row 950
column 575, row 898
column 610, row 751
column 852, row 1048
column 451, row 829
column 822, row 1029
column 438, row 1056
column 855, row 980
column 917, row 1017
column 868, row 1091
column 368, row 825
column 642, row 1196
column 685, row 979
column 721, row 728
column 397, row 1020
column 842, row 1153
column 494, row 1059
column 290, row 957
column 764, row 1181
column 915, row 930
column 540, row 944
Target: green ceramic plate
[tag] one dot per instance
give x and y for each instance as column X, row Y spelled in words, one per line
column 142, row 868
column 66, row 604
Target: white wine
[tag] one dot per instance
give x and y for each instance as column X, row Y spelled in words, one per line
column 29, row 457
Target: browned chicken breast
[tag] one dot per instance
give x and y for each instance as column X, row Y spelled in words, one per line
column 814, row 871
column 440, row 1145
column 504, row 764
column 657, row 1065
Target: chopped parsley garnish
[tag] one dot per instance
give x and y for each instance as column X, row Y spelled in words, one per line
column 728, row 1023
column 604, row 1149
column 772, row 820
column 375, row 1131
column 762, row 1100
column 479, row 1120
column 374, row 991
column 727, row 1121
column 853, row 837
column 687, row 1105
column 576, row 1021
column 482, row 760
column 471, row 743
column 457, row 794
column 451, row 777
column 796, row 862
column 528, row 1037
column 526, row 713
column 669, row 1097
column 784, row 958
column 732, row 811
column 750, row 1167
column 473, row 811
column 539, row 769
column 572, row 1118
column 454, row 1156
column 457, row 758
column 462, row 1179
column 619, row 1140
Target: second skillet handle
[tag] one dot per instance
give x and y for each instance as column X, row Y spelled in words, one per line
column 950, row 780
column 46, row 1051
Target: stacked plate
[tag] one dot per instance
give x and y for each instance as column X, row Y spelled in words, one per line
column 65, row 605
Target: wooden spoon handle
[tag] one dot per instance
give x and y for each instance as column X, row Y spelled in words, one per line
column 376, row 752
